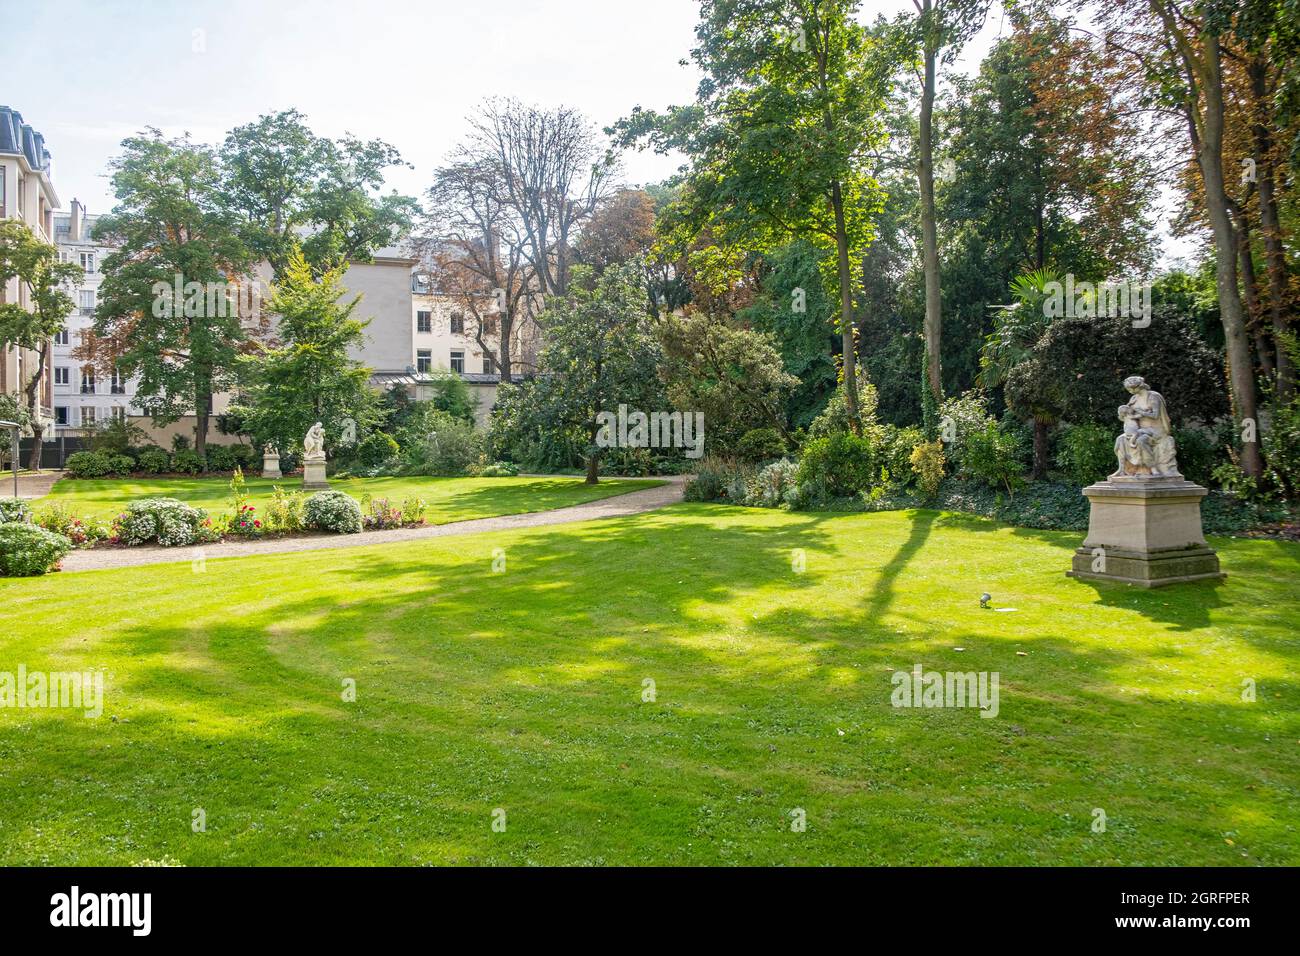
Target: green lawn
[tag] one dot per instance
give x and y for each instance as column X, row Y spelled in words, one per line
column 522, row 691
column 449, row 499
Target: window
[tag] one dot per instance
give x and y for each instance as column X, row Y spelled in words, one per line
column 117, row 385
column 458, row 361
column 457, row 323
column 87, row 302
column 22, row 197
column 424, row 321
column 60, row 414
column 420, row 282
column 87, row 415
column 61, row 375
column 3, row 209
column 61, row 337
column 490, row 326
column 487, row 365
column 87, row 381
column 118, row 412
column 88, row 262
column 424, row 361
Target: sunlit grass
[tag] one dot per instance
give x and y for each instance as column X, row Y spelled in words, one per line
column 523, row 690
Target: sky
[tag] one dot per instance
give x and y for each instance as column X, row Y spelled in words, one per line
column 87, row 73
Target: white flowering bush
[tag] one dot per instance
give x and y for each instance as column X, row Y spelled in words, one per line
column 333, row 511
column 27, row 550
column 768, row 489
column 170, row 522
column 14, row 509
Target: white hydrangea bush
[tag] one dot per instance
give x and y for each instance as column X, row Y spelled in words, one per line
column 167, row 521
column 333, row 511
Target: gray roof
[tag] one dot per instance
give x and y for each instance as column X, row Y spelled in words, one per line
column 19, row 139
column 421, row 378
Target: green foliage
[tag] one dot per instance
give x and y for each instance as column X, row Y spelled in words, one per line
column 450, row 447
column 844, row 463
column 773, row 485
column 82, row 532
column 959, row 418
column 187, row 461
column 720, row 478
column 168, row 522
column 285, row 512
column 1282, row 448
column 1086, row 453
column 1200, row 451
column 116, row 436
column 377, row 449
column 26, row 550
column 927, row 464
column 333, row 511
column 835, row 417
column 310, row 376
column 497, row 469
column 153, row 461
column 993, row 457
column 759, row 445
column 14, row 509
column 88, row 464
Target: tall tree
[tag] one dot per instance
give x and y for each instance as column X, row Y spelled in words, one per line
column 169, row 308
column 943, row 26
column 779, row 134
column 46, row 283
column 308, row 375
column 293, row 189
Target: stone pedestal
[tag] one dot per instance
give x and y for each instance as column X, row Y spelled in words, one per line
column 271, row 466
column 1145, row 532
column 313, row 474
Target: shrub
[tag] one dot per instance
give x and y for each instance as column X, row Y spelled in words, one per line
column 285, row 511
column 333, row 511
column 927, row 464
column 835, row 416
column 26, row 550
column 88, row 464
column 83, row 533
column 760, row 444
column 843, row 462
column 376, row 449
column 718, row 478
column 772, row 484
column 222, row 458
column 450, row 448
column 153, row 461
column 246, row 456
column 120, row 465
column 993, row 457
column 1199, row 453
column 1086, row 453
column 959, row 418
column 413, row 510
column 1282, row 447
column 170, row 522
column 13, row 509
column 377, row 514
column 186, row 461
column 497, row 469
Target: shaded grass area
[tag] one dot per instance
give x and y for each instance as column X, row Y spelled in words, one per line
column 449, row 499
column 524, row 691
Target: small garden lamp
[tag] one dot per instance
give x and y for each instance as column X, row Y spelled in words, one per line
column 14, row 428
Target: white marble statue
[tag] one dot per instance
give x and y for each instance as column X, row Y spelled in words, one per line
column 313, row 446
column 1146, row 448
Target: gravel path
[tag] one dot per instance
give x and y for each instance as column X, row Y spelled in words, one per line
column 29, row 485
column 631, row 503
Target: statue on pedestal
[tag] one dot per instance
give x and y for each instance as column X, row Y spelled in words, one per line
column 313, row 446
column 1145, row 449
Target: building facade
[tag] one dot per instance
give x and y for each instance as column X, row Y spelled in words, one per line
column 83, row 398
column 26, row 193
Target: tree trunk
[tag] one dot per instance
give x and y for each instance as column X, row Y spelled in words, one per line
column 846, row 312
column 1275, row 254
column 1250, row 294
column 929, row 238
column 1241, row 373
column 593, row 468
column 1040, row 449
column 503, row 350
column 202, row 410
column 33, row 389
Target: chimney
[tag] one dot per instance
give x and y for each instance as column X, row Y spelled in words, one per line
column 76, row 220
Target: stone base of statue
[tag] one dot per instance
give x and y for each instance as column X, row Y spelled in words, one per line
column 1145, row 532
column 271, row 466
column 313, row 474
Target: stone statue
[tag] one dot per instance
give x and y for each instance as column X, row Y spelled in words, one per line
column 1145, row 449
column 313, row 446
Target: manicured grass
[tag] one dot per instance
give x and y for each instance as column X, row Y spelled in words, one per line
column 523, row 690
column 449, row 499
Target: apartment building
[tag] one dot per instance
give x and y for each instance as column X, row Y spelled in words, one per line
column 417, row 333
column 26, row 193
column 82, row 397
